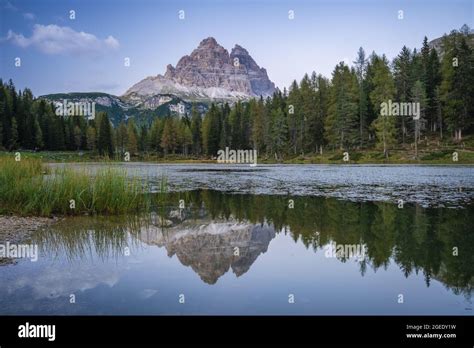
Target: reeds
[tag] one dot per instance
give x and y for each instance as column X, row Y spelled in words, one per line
column 29, row 188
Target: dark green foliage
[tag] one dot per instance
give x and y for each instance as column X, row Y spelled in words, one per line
column 104, row 141
column 314, row 114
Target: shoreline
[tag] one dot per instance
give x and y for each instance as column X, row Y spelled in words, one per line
column 375, row 164
column 466, row 157
column 19, row 229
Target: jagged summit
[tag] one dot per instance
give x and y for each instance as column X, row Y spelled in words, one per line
column 208, row 73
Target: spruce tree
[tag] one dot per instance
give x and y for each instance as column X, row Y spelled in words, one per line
column 383, row 92
column 419, row 96
column 361, row 71
column 279, row 133
column 169, row 138
column 343, row 113
column 403, row 83
column 104, row 141
column 14, row 135
column 132, row 135
column 196, row 125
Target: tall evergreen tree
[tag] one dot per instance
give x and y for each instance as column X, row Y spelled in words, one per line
column 383, row 92
column 196, row 125
column 419, row 96
column 403, row 84
column 361, row 71
column 169, row 138
column 294, row 116
column 104, row 141
column 343, row 118
column 279, row 133
column 14, row 135
column 132, row 138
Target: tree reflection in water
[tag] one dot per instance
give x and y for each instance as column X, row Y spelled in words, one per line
column 214, row 226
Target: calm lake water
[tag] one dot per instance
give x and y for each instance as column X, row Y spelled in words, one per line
column 264, row 240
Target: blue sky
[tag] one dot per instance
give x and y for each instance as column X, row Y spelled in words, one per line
column 86, row 54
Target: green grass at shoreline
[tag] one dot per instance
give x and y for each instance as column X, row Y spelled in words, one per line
column 438, row 156
column 27, row 187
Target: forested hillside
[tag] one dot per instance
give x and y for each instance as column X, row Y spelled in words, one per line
column 313, row 116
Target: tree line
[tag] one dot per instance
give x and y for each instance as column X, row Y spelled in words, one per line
column 316, row 114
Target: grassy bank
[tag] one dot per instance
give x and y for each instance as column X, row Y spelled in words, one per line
column 436, row 156
column 430, row 151
column 396, row 157
column 28, row 187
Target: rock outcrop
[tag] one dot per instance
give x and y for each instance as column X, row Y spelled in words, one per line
column 208, row 73
column 212, row 249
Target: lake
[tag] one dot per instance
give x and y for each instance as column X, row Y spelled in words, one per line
column 274, row 239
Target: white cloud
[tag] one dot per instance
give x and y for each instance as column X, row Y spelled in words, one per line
column 29, row 15
column 112, row 42
column 53, row 39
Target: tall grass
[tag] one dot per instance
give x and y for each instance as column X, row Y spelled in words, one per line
column 28, row 188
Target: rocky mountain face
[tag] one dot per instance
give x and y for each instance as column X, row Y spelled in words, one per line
column 465, row 31
column 120, row 110
column 437, row 44
column 209, row 73
column 209, row 246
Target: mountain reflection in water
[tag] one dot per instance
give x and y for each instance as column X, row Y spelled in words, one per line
column 218, row 232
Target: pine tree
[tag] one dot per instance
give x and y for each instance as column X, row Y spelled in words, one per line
column 343, row 114
column 361, row 71
column 456, row 90
column 466, row 84
column 187, row 139
column 104, row 141
column 143, row 139
column 294, row 115
column 403, row 83
column 211, row 129
column 155, row 135
column 91, row 138
column 14, row 135
column 258, row 126
column 77, row 137
column 384, row 90
column 168, row 140
column 225, row 135
column 236, row 132
column 279, row 133
column 38, row 135
column 419, row 96
column 322, row 96
column 132, row 142
column 122, row 137
column 196, row 125
column 244, row 126
column 433, row 80
column 308, row 120
column 430, row 79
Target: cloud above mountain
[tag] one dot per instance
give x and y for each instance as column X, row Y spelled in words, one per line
column 56, row 40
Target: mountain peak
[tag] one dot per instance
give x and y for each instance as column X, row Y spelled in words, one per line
column 238, row 48
column 210, row 41
column 209, row 73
